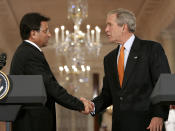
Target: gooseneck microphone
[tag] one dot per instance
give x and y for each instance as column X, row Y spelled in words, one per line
column 3, row 58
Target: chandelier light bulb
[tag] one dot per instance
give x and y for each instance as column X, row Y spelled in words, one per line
column 56, row 30
column 83, row 68
column 73, row 67
column 97, row 29
column 56, row 35
column 92, row 31
column 78, row 9
column 88, row 26
column 62, row 33
column 92, row 36
column 88, row 68
column 62, row 27
column 66, row 68
column 75, row 28
column 61, row 68
column 67, row 33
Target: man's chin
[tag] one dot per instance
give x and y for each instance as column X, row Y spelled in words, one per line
column 110, row 40
column 44, row 45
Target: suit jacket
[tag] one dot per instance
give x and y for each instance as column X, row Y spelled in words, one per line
column 28, row 60
column 132, row 108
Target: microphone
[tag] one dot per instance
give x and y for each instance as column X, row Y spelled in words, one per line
column 3, row 58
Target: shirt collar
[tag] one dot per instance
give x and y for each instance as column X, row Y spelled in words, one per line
column 32, row 43
column 129, row 43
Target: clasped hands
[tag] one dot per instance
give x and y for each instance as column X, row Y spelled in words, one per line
column 88, row 106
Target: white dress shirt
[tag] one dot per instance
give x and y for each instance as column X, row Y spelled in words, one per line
column 127, row 48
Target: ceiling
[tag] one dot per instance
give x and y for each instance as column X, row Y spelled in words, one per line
column 153, row 16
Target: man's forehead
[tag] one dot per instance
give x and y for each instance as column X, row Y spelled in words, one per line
column 111, row 17
column 44, row 24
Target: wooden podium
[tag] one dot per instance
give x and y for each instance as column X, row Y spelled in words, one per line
column 25, row 90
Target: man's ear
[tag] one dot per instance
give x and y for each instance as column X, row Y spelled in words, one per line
column 33, row 34
column 125, row 27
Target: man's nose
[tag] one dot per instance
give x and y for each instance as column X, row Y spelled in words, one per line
column 106, row 29
column 49, row 34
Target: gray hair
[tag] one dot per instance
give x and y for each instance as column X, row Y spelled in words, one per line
column 124, row 16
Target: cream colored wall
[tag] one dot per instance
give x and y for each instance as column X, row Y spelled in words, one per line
column 168, row 41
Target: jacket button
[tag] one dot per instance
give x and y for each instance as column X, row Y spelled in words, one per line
column 121, row 98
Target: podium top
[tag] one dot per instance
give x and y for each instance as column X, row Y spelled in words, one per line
column 164, row 90
column 25, row 90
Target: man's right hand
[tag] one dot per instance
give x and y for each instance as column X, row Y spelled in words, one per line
column 88, row 106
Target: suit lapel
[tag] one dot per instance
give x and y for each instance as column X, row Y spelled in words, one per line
column 114, row 68
column 132, row 60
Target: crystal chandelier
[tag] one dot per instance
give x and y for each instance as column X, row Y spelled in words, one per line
column 74, row 76
column 76, row 46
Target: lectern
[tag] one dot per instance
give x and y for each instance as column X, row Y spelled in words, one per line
column 164, row 90
column 25, row 90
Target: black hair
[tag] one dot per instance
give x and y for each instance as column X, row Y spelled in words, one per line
column 29, row 22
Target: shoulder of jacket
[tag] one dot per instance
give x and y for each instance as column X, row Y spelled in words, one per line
column 111, row 53
column 150, row 43
column 24, row 50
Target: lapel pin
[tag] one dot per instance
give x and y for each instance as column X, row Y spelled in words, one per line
column 135, row 57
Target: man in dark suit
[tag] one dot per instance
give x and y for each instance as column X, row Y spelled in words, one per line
column 131, row 72
column 29, row 60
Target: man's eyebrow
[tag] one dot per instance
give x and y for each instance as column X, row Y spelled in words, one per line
column 108, row 23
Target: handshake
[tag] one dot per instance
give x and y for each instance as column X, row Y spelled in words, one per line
column 88, row 106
